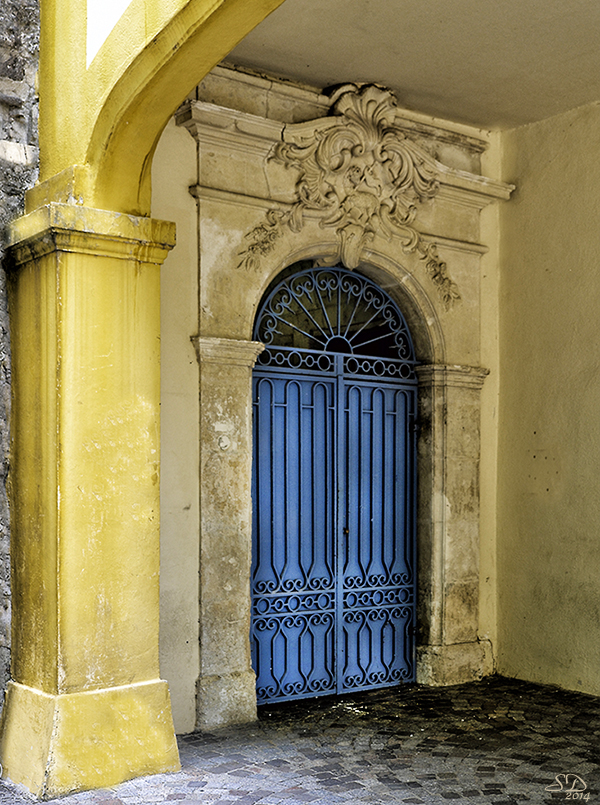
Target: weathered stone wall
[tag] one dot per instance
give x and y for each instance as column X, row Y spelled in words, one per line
column 19, row 36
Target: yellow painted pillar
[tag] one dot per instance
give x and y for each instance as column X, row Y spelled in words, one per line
column 87, row 707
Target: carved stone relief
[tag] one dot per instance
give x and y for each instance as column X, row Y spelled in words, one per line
column 360, row 174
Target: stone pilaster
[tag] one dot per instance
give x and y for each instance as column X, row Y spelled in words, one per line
column 226, row 687
column 448, row 525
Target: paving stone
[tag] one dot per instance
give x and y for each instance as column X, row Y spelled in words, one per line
column 492, row 742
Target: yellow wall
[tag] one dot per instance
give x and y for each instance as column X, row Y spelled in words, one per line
column 549, row 427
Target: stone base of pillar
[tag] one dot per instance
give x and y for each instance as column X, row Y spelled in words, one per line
column 59, row 744
column 454, row 664
column 226, row 699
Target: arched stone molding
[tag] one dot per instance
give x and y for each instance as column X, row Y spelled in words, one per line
column 421, row 316
column 248, row 203
column 392, row 276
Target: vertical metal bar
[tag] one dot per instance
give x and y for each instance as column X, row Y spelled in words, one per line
column 411, row 439
column 340, row 518
column 339, row 308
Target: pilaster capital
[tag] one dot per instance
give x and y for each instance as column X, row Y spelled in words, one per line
column 453, row 375
column 227, row 351
column 57, row 227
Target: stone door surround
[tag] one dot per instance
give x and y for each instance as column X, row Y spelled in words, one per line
column 359, row 187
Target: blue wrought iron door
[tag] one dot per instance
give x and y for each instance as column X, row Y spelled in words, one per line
column 376, row 580
column 333, row 570
column 294, row 586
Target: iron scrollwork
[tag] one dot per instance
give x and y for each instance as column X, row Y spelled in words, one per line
column 318, row 308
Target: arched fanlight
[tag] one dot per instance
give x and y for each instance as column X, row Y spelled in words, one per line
column 333, row 310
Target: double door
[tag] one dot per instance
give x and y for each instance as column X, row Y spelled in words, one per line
column 333, row 566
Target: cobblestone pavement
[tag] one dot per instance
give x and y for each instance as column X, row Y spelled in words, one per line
column 497, row 741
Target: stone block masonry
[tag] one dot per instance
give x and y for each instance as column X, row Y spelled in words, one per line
column 19, row 39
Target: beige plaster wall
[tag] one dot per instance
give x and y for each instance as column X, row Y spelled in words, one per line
column 549, row 443
column 490, row 358
column 174, row 170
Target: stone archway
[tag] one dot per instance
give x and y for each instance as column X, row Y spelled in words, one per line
column 258, row 208
column 448, row 648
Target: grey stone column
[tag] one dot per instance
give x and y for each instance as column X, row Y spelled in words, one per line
column 226, row 686
column 449, row 651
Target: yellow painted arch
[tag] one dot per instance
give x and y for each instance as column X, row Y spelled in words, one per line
column 99, row 126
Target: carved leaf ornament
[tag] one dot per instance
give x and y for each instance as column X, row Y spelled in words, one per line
column 361, row 175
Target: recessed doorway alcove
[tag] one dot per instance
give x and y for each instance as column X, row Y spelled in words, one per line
column 269, row 198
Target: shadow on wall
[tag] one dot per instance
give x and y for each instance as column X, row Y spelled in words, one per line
column 19, row 38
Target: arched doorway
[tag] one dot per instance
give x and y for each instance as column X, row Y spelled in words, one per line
column 334, row 566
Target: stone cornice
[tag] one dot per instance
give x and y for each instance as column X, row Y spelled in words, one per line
column 414, row 123
column 217, row 195
column 226, row 351
column 76, row 229
column 453, row 375
column 220, row 126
